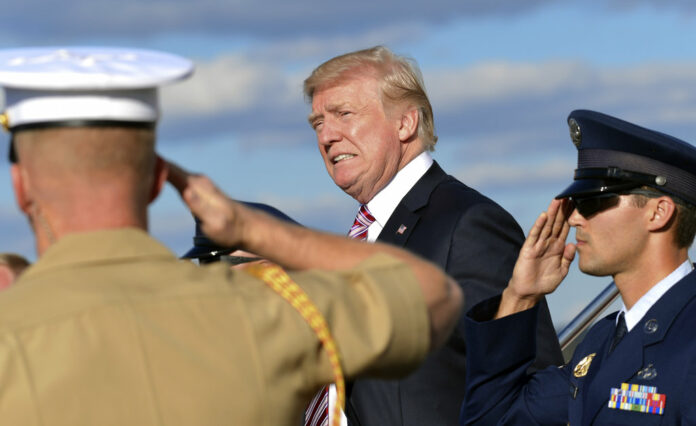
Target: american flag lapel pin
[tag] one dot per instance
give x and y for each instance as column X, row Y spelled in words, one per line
column 401, row 230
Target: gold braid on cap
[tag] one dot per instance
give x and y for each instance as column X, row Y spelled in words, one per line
column 5, row 121
column 281, row 283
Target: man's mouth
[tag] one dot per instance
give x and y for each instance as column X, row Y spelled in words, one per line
column 342, row 157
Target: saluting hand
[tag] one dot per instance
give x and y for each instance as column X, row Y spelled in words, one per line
column 543, row 261
column 219, row 215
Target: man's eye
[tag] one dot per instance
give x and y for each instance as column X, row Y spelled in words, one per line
column 343, row 113
column 317, row 124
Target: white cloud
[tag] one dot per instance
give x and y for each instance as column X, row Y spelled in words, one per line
column 677, row 115
column 239, row 82
column 501, row 81
column 76, row 20
column 491, row 81
column 506, row 173
column 230, row 83
column 318, row 49
column 331, row 211
column 271, row 74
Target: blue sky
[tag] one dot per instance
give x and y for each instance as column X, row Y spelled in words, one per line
column 502, row 77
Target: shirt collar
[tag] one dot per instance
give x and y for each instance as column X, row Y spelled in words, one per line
column 638, row 311
column 383, row 204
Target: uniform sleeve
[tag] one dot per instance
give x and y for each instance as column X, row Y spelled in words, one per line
column 498, row 388
column 377, row 315
column 485, row 246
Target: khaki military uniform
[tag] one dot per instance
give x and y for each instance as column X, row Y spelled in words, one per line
column 110, row 328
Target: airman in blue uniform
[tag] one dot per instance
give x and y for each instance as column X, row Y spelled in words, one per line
column 632, row 206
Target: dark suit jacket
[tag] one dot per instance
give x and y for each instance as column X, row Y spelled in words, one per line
column 660, row 352
column 477, row 243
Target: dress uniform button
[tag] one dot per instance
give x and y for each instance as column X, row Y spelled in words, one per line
column 650, row 326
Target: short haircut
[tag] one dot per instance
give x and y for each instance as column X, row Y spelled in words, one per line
column 67, row 158
column 401, row 82
column 685, row 220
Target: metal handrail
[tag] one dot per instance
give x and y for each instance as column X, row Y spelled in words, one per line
column 586, row 317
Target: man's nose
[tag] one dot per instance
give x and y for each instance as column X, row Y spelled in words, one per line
column 328, row 133
column 575, row 218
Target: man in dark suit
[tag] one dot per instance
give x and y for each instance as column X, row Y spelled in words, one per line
column 633, row 207
column 375, row 130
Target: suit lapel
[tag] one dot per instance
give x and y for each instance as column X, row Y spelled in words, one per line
column 399, row 226
column 405, row 217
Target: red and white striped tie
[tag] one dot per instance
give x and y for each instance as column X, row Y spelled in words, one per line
column 317, row 413
column 362, row 221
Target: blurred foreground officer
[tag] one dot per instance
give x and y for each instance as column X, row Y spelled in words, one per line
column 109, row 327
column 632, row 206
column 375, row 131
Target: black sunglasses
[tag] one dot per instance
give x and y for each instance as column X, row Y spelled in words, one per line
column 589, row 206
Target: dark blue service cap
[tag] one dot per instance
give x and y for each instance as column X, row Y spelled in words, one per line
column 205, row 248
column 615, row 155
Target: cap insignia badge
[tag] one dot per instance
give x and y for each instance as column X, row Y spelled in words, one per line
column 575, row 133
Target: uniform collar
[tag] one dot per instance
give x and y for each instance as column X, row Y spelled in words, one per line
column 638, row 311
column 97, row 246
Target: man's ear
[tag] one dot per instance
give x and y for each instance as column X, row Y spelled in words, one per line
column 408, row 127
column 160, row 177
column 22, row 188
column 662, row 213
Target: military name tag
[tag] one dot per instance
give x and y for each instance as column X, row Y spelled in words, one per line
column 643, row 399
column 583, row 366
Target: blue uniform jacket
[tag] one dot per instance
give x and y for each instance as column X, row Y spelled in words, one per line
column 660, row 351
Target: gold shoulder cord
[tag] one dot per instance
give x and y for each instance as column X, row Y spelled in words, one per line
column 281, row 283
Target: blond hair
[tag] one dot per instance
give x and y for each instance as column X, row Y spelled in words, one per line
column 401, row 82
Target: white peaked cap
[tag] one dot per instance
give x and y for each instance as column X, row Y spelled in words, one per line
column 85, row 84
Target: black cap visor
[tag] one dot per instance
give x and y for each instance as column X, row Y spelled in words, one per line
column 590, row 187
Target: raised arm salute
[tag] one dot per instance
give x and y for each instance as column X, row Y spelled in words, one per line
column 543, row 262
column 632, row 207
column 232, row 224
